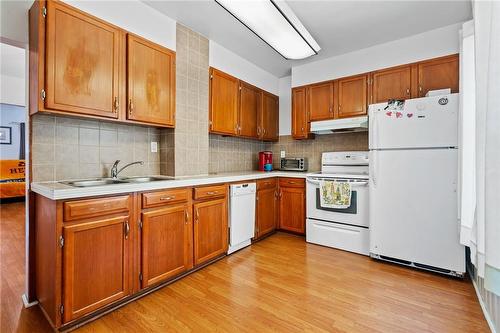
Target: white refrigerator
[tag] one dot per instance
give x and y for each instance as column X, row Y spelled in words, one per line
column 413, row 184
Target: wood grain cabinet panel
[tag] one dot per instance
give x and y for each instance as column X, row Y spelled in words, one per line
column 210, row 230
column 320, row 101
column 392, row 83
column 224, row 94
column 440, row 73
column 250, row 108
column 166, row 243
column 95, row 265
column 292, row 208
column 266, row 211
column 352, row 96
column 269, row 117
column 82, row 63
column 300, row 125
column 150, row 82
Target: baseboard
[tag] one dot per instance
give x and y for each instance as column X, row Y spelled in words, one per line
column 26, row 303
column 483, row 306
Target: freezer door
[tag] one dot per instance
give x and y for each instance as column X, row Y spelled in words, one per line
column 423, row 123
column 413, row 207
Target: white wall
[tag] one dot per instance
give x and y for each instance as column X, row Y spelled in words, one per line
column 285, row 93
column 12, row 90
column 231, row 63
column 133, row 16
column 10, row 116
column 430, row 44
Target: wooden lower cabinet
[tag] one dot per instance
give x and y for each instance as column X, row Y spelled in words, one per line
column 292, row 205
column 95, row 265
column 167, row 248
column 210, row 230
column 266, row 209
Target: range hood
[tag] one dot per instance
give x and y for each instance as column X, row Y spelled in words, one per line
column 347, row 125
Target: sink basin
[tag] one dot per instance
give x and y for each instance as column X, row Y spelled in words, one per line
column 144, row 179
column 93, row 182
column 110, row 181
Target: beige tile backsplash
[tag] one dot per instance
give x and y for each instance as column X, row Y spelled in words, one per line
column 228, row 154
column 71, row 148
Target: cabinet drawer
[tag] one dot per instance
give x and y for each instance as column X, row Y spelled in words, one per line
column 74, row 210
column 263, row 184
column 292, row 182
column 154, row 199
column 210, row 192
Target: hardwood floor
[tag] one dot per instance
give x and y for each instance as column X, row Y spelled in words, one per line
column 280, row 284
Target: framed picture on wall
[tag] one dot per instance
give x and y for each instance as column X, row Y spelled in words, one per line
column 5, row 135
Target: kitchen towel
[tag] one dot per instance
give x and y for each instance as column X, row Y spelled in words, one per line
column 335, row 194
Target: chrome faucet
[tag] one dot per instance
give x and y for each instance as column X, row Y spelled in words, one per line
column 115, row 171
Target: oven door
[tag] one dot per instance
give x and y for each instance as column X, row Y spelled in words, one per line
column 356, row 214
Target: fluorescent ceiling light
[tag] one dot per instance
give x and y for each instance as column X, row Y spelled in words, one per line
column 276, row 24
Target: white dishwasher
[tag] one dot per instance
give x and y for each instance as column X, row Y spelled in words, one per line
column 241, row 216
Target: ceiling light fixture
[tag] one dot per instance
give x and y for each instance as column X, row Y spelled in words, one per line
column 276, row 24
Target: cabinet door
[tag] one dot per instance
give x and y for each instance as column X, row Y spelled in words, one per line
column 320, row 101
column 352, row 96
column 392, row 83
column 82, row 62
column 269, row 117
column 267, row 209
column 300, row 128
column 439, row 73
column 166, row 243
column 210, row 230
column 292, row 209
column 250, row 106
column 95, row 265
column 151, row 82
column 223, row 103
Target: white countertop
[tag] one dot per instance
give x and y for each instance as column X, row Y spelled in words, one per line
column 58, row 191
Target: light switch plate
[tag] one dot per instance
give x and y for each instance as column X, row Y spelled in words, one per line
column 154, row 146
column 282, row 154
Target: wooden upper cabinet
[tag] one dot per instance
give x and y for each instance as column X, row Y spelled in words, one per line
column 392, row 83
column 250, row 108
column 224, row 94
column 300, row 125
column 82, row 63
column 269, row 117
column 95, row 265
column 210, row 230
column 150, row 82
column 352, row 100
column 166, row 243
column 438, row 73
column 320, row 101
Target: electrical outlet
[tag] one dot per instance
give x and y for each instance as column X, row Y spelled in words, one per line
column 282, row 154
column 154, row 146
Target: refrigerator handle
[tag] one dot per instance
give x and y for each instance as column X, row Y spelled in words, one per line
column 373, row 167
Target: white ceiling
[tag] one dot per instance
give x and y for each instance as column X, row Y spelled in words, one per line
column 338, row 26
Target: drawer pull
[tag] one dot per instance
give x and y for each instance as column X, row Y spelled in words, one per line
column 186, row 214
column 290, row 182
column 167, row 198
column 212, row 192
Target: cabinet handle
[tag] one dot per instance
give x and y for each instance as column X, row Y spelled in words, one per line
column 258, row 130
column 197, row 215
column 116, row 105
column 420, row 90
column 291, row 182
column 186, row 214
column 167, row 198
column 212, row 192
column 264, row 131
column 127, row 229
column 302, row 129
column 330, row 109
column 408, row 91
column 130, row 107
column 281, row 194
column 339, row 107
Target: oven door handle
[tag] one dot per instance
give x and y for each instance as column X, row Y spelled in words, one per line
column 316, row 182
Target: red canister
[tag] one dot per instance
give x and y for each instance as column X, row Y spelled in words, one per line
column 265, row 158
